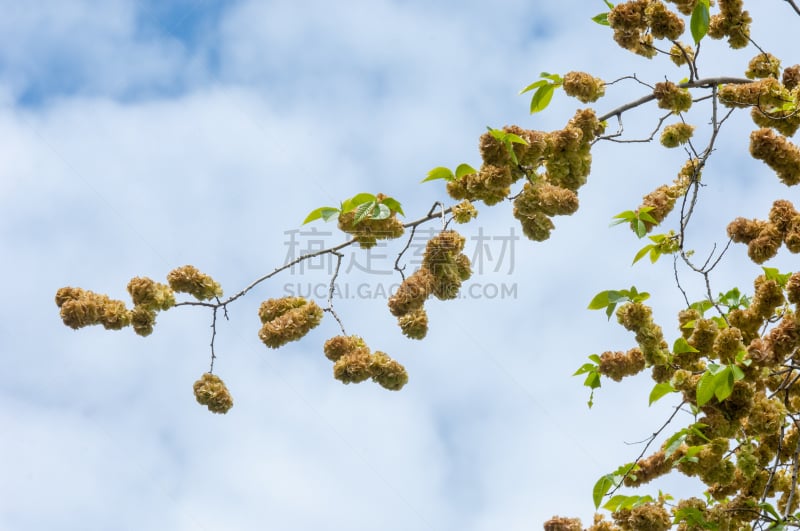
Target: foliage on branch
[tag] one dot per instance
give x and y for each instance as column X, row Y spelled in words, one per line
column 731, row 362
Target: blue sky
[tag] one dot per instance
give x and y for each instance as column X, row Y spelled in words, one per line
column 138, row 138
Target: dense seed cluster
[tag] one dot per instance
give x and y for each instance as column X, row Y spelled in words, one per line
column 765, row 237
column 368, row 231
column 354, row 363
column 731, row 22
column 211, row 392
column 188, row 279
column 778, row 153
column 583, row 86
column 638, row 22
column 287, row 319
column 672, row 97
column 676, row 134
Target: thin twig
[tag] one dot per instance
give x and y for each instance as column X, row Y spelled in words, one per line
column 700, row 83
column 332, row 289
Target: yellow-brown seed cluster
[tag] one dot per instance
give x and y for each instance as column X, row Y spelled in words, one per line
column 583, row 86
column 447, row 263
column 189, row 279
column 211, row 392
column 81, row 308
column 661, row 201
column 676, row 134
column 353, row 363
column 560, row 523
column 637, row 22
column 618, row 365
column 407, row 303
column 638, row 318
column 731, row 22
column 791, row 77
column 686, row 7
column 464, row 212
column 649, row 469
column 444, row 268
column 764, row 238
column 564, row 155
column 368, row 231
column 681, row 54
column 763, row 65
column 649, row 516
column 287, row 319
column 672, row 97
column 778, row 153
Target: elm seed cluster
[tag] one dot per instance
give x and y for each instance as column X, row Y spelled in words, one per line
column 638, row 22
column 354, row 363
column 765, row 237
column 444, row 268
column 80, row 308
column 210, row 391
column 287, row 319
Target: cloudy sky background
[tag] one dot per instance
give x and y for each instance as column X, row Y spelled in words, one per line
column 138, row 137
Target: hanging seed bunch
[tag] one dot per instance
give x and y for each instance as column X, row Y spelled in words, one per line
column 773, row 101
column 81, row 307
column 672, row 97
column 637, row 23
column 676, row 134
column 446, row 262
column 464, row 212
column 765, row 237
column 681, row 54
column 583, row 86
column 367, row 230
column 731, row 22
column 618, row 365
column 354, row 363
column 563, row 154
column 287, row 319
column 188, row 279
column 778, row 153
column 210, row 391
column 407, row 303
column 660, row 202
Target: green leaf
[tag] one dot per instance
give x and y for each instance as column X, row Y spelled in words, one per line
column 325, row 213
column 702, row 307
column 643, row 252
column 586, row 367
column 700, row 20
column 609, row 4
column 439, row 172
column 393, row 204
column 601, row 19
column 535, row 84
column 773, row 274
column 674, row 443
column 615, row 502
column 381, row 211
column 358, row 199
column 723, row 384
column 601, row 488
column 604, row 298
column 364, row 211
column 515, row 139
column 640, row 229
column 592, row 380
column 681, row 346
column 595, row 358
column 705, row 388
column 555, row 78
column 464, row 169
column 659, row 391
column 541, row 98
column 644, row 216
